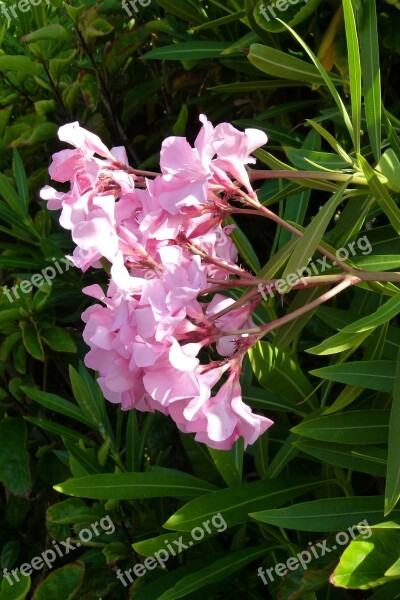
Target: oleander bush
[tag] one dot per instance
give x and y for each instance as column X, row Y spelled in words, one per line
column 321, row 81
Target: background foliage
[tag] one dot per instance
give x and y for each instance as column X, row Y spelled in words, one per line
column 327, row 96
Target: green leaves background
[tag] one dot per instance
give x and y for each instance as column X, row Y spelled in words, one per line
column 330, row 380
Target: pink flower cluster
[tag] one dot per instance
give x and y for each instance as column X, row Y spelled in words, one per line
column 154, row 342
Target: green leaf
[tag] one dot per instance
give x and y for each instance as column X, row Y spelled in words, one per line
column 14, row 458
column 348, row 337
column 376, row 375
column 97, row 28
column 354, row 62
column 276, row 371
column 259, row 398
column 313, row 234
column 85, row 458
column 295, row 13
column 358, row 427
column 220, row 569
column 58, row 339
column 131, row 486
column 63, row 584
column 22, row 183
column 152, row 545
column 21, row 64
column 327, row 80
column 57, row 404
column 243, row 245
column 357, row 458
column 138, row 96
column 187, row 51
column 18, row 591
column 389, row 166
column 290, row 331
column 329, row 514
column 89, row 398
column 381, row 195
column 280, row 64
column 364, row 563
column 50, row 32
column 183, row 10
column 371, row 75
column 225, row 463
column 56, row 428
column 253, row 86
column 392, row 490
column 31, row 339
column 239, row 14
column 10, row 314
column 236, row 502
column 73, row 510
column 9, row 194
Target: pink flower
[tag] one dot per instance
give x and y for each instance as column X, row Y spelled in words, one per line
column 228, row 418
column 152, row 335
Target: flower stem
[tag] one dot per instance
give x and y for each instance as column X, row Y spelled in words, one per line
column 347, row 281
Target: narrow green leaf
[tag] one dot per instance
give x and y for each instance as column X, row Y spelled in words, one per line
column 56, row 428
column 357, row 427
column 353, row 53
column 220, row 569
column 366, row 459
column 354, row 333
column 278, row 372
column 187, row 51
column 369, row 46
column 381, row 195
column 21, row 181
column 221, row 21
column 87, row 400
column 244, row 247
column 282, row 65
column 328, row 514
column 183, row 10
column 14, row 457
column 56, row 404
column 132, row 486
column 392, row 490
column 376, row 375
column 313, row 233
column 327, row 80
column 236, row 502
column 225, row 464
